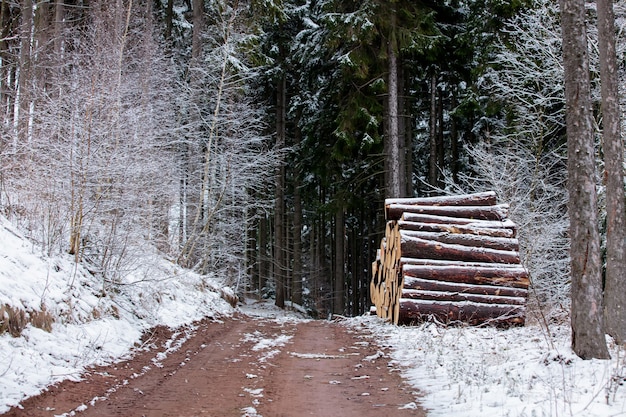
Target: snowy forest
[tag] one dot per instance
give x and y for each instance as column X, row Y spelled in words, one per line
column 158, row 154
column 257, row 140
column 249, row 138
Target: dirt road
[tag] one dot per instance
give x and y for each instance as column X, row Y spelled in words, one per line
column 240, row 366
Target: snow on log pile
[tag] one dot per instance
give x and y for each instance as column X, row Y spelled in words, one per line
column 454, row 258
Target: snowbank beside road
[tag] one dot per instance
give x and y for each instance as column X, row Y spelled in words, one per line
column 91, row 326
column 489, row 372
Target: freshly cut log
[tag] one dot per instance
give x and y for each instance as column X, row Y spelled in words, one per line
column 441, row 219
column 454, row 258
column 460, row 296
column 414, row 247
column 493, row 213
column 411, row 283
column 500, row 243
column 416, row 261
column 487, row 198
column 509, row 277
column 469, row 312
column 465, row 228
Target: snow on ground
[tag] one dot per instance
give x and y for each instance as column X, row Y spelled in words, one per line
column 89, row 328
column 458, row 371
column 518, row 372
column 268, row 310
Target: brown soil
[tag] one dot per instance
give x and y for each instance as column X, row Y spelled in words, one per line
column 240, row 366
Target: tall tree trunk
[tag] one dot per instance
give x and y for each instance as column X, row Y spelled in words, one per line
column 297, row 248
column 441, row 150
column 252, row 251
column 192, row 162
column 169, row 19
column 587, row 314
column 263, row 258
column 198, row 28
column 59, row 35
column 394, row 154
column 7, row 94
column 406, row 135
column 314, row 274
column 297, row 232
column 433, row 177
column 25, row 71
column 279, row 202
column 43, row 41
column 454, row 142
column 615, row 286
column 338, row 303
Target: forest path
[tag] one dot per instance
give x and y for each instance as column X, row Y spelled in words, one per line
column 239, row 366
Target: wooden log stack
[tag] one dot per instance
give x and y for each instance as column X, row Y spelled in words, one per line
column 453, row 258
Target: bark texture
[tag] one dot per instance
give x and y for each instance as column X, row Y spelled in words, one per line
column 615, row 284
column 586, row 292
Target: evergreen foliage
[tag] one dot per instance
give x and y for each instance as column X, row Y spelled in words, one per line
column 198, row 125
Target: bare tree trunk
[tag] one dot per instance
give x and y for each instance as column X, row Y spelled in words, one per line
column 7, row 92
column 263, row 258
column 314, row 275
column 198, row 28
column 394, row 154
column 404, row 123
column 433, row 177
column 279, row 205
column 454, row 143
column 441, row 150
column 251, row 250
column 338, row 303
column 297, row 248
column 587, row 314
column 297, row 234
column 191, row 202
column 59, row 36
column 615, row 287
column 169, row 18
column 25, row 71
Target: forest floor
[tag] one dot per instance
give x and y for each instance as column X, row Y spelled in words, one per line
column 240, row 366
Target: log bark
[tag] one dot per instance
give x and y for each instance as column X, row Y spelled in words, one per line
column 507, row 277
column 508, row 229
column 497, row 212
column 468, row 312
column 461, row 296
column 413, row 247
column 438, row 262
column 411, row 283
column 499, row 243
column 454, row 258
column 487, row 198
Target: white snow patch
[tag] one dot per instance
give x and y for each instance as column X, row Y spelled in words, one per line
column 250, row 412
column 263, row 342
column 91, row 327
column 255, row 392
column 320, row 355
column 517, row 372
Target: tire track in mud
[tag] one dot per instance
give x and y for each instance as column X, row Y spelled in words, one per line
column 239, row 366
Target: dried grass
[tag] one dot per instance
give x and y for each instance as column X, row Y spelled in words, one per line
column 14, row 320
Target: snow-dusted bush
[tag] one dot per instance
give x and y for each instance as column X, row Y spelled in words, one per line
column 523, row 159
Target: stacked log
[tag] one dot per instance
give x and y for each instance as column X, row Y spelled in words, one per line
column 453, row 258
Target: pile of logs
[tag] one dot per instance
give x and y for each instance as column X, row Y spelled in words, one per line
column 453, row 258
